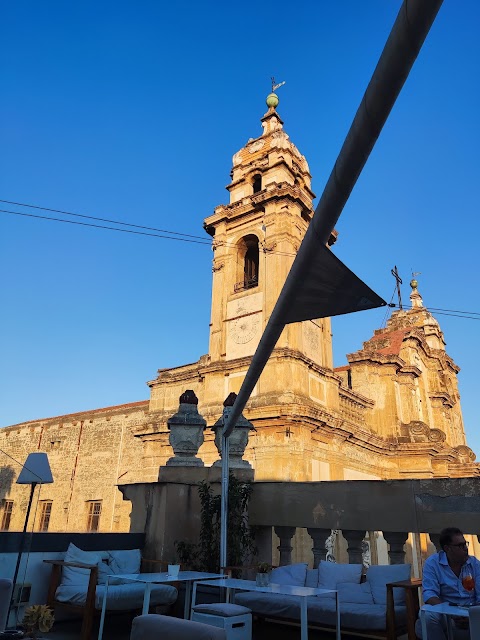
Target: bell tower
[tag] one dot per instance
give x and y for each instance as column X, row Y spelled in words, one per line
column 256, row 237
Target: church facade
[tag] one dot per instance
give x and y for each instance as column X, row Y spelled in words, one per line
column 392, row 412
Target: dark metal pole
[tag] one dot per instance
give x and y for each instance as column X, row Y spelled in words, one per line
column 20, row 550
column 400, row 52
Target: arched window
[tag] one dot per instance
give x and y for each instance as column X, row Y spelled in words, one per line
column 248, row 258
column 257, row 183
column 251, row 266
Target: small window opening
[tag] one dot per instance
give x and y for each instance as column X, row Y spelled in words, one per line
column 251, row 266
column 248, row 258
column 257, row 183
column 45, row 513
column 94, row 511
column 7, row 515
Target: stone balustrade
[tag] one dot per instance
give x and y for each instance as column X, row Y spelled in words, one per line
column 352, row 408
column 396, row 508
column 357, row 508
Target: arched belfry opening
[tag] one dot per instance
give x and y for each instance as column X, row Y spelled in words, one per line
column 247, row 263
column 257, row 183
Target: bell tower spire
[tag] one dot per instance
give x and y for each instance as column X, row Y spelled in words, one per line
column 256, row 237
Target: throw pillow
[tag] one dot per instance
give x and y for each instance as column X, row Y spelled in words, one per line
column 312, row 578
column 354, row 592
column 125, row 561
column 75, row 576
column 292, row 574
column 330, row 574
column 105, row 569
column 378, row 576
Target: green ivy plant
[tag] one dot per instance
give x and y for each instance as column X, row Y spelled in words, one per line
column 205, row 555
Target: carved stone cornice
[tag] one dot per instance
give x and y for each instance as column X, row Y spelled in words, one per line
column 418, row 431
column 442, row 397
column 260, row 164
column 465, row 454
column 218, row 265
column 409, row 371
column 274, row 192
column 375, row 358
column 182, row 373
column 104, row 413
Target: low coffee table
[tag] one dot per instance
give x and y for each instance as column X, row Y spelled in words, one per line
column 445, row 609
column 148, row 579
column 232, row 584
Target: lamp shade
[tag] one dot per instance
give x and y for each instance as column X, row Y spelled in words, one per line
column 36, row 470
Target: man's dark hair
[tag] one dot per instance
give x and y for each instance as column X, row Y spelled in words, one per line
column 447, row 534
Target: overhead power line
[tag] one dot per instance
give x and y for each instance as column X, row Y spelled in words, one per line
column 82, row 215
column 472, row 313
column 468, row 315
column 178, row 235
column 99, row 226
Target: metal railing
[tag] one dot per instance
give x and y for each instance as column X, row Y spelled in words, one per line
column 246, row 283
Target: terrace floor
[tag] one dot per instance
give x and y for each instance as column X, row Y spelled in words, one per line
column 118, row 628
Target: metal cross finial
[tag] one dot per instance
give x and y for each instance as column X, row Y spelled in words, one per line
column 399, row 282
column 276, row 86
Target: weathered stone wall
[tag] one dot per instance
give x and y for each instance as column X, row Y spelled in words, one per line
column 89, row 454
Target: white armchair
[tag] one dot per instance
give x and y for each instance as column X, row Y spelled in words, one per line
column 153, row 627
column 474, row 615
column 5, row 596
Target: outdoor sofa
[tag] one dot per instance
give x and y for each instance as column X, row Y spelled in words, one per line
column 369, row 605
column 77, row 584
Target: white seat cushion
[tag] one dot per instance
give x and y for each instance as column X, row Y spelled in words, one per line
column 223, row 609
column 120, row 597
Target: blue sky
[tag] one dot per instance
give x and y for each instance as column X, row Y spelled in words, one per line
column 132, row 111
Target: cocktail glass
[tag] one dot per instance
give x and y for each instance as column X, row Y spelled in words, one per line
column 468, row 583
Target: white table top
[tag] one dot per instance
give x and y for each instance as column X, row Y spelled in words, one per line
column 183, row 576
column 447, row 609
column 251, row 585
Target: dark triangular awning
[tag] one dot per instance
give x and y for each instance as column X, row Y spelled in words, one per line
column 330, row 289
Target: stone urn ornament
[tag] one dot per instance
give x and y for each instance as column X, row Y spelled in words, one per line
column 238, row 439
column 186, row 432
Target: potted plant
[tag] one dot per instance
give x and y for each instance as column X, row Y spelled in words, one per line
column 37, row 618
column 173, row 568
column 263, row 574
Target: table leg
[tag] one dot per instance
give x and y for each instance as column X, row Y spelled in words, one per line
column 104, row 608
column 411, row 613
column 188, row 600
column 146, row 598
column 424, row 625
column 194, row 598
column 449, row 627
column 303, row 619
column 337, row 604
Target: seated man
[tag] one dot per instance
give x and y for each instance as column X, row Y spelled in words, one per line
column 452, row 576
